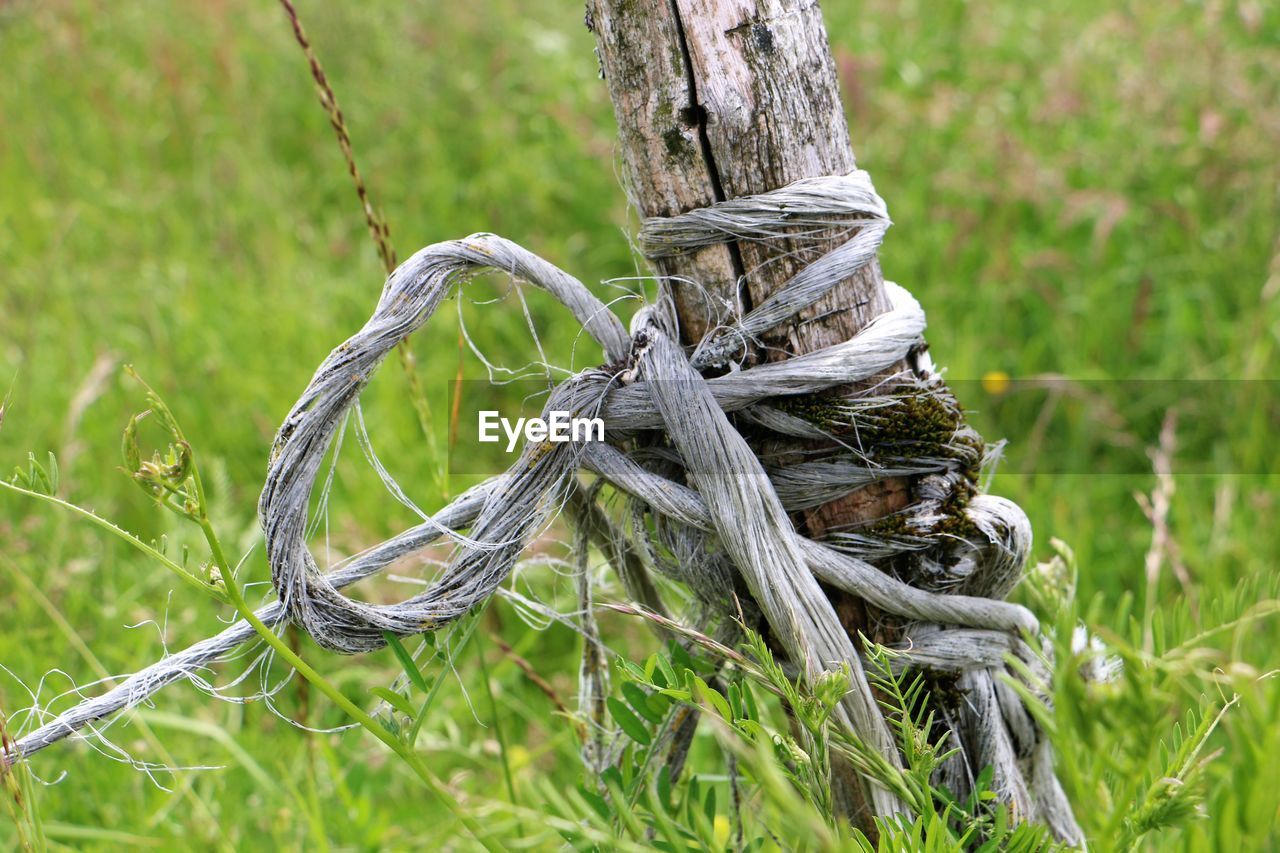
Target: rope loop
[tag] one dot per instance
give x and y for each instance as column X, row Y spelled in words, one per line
column 722, row 516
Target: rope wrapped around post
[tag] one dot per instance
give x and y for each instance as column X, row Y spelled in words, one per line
column 674, row 444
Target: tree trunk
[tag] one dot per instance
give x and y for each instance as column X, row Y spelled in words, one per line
column 718, row 99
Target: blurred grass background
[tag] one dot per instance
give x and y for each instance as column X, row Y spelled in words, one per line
column 1088, row 189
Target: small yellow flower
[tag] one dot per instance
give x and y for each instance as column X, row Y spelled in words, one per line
column 996, row 382
column 518, row 756
column 721, row 828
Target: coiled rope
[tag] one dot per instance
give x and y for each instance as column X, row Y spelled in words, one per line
column 675, row 445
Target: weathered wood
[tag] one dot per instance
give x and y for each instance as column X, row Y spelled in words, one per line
column 717, row 99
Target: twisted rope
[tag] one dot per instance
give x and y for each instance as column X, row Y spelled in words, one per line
column 675, row 447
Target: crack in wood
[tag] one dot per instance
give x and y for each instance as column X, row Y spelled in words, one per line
column 698, row 113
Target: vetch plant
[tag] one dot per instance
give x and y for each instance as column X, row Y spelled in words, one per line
column 779, row 783
column 172, row 479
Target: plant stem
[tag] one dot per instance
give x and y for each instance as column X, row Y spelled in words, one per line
column 374, row 219
column 398, row 746
column 497, row 724
column 185, row 576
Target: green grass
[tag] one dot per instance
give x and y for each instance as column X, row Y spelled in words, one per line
column 1087, row 189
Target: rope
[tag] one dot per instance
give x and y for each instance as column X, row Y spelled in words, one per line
column 675, row 445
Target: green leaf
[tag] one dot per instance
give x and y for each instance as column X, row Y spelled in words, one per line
column 406, row 662
column 622, row 805
column 53, row 474
column 633, row 672
column 713, row 698
column 680, row 657
column 668, row 674
column 735, row 701
column 677, row 694
column 650, row 666
column 749, row 702
column 639, row 700
column 395, row 700
column 660, row 809
column 664, row 787
column 597, row 802
column 660, row 703
column 611, row 774
column 752, row 730
column 629, row 722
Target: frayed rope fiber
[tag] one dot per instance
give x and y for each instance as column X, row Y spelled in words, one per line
column 720, row 519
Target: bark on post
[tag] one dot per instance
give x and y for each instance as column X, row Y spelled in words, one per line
column 718, row 99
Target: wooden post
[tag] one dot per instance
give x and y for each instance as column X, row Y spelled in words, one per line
column 718, row 99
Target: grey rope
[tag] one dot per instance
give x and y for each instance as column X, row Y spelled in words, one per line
column 674, row 445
